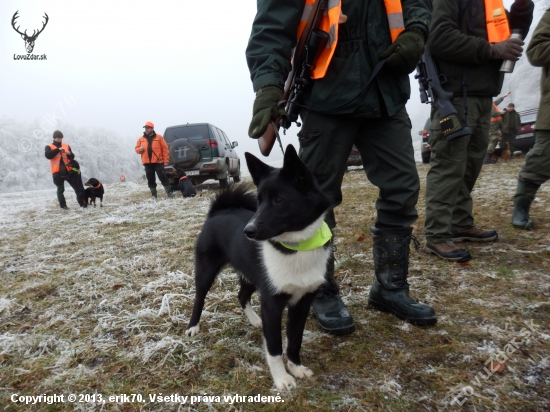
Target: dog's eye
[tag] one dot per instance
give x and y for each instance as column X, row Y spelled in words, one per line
column 277, row 200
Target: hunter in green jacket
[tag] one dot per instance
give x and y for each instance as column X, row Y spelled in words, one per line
column 342, row 109
column 459, row 44
column 536, row 169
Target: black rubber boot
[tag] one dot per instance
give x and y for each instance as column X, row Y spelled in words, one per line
column 525, row 194
column 390, row 291
column 328, row 308
column 488, row 160
column 153, row 192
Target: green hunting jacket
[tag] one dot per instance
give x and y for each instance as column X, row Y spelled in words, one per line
column 360, row 41
column 458, row 42
column 511, row 122
column 538, row 53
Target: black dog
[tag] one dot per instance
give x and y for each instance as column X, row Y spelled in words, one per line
column 94, row 189
column 74, row 178
column 185, row 185
column 278, row 244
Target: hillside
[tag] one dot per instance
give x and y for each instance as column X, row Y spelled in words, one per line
column 96, row 301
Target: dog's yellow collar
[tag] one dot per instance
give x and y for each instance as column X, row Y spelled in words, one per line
column 320, row 238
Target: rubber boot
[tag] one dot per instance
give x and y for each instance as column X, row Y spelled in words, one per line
column 153, row 192
column 525, row 194
column 168, row 191
column 328, row 308
column 390, row 291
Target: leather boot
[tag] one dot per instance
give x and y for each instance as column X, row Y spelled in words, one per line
column 390, row 291
column 153, row 192
column 328, row 308
column 168, row 191
column 525, row 194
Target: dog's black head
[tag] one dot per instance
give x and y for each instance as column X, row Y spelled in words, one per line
column 289, row 199
column 93, row 182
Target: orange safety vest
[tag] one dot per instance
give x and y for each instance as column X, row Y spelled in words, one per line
column 329, row 24
column 497, row 118
column 497, row 23
column 55, row 161
column 122, row 178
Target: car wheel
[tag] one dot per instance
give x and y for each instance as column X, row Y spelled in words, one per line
column 237, row 177
column 184, row 153
column 426, row 157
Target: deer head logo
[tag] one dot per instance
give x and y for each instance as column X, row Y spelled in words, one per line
column 29, row 40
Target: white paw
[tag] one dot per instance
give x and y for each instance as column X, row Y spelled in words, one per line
column 299, row 371
column 285, row 382
column 253, row 318
column 192, row 331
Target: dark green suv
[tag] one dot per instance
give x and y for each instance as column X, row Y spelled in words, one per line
column 203, row 152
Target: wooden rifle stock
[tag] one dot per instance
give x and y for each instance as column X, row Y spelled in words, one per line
column 267, row 140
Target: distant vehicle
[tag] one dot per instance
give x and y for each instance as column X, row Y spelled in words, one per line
column 203, row 151
column 525, row 138
column 425, row 149
column 354, row 158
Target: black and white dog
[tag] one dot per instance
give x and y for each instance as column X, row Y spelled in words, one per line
column 279, row 245
column 94, row 189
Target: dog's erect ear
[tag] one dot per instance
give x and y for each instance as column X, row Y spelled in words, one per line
column 257, row 168
column 294, row 168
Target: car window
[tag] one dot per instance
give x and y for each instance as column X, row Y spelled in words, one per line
column 428, row 123
column 225, row 137
column 217, row 134
column 528, row 118
column 195, row 132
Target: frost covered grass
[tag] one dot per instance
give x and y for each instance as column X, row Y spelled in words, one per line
column 97, row 301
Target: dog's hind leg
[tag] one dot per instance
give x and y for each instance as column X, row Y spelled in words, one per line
column 272, row 313
column 246, row 291
column 206, row 270
column 296, row 322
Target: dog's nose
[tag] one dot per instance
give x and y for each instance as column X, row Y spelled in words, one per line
column 250, row 230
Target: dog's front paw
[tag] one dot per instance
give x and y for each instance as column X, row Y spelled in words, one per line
column 299, row 371
column 285, row 382
column 192, row 331
column 253, row 318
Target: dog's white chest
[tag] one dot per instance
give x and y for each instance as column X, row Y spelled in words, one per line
column 295, row 274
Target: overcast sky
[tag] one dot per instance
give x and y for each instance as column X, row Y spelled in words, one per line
column 118, row 64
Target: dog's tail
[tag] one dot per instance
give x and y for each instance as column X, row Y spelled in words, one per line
column 233, row 197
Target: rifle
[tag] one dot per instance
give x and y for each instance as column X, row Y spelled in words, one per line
column 311, row 43
column 430, row 82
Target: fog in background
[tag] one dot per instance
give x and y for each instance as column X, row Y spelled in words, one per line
column 112, row 66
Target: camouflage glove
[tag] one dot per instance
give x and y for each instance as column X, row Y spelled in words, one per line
column 265, row 109
column 506, row 50
column 405, row 52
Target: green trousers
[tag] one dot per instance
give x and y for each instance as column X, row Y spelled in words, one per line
column 59, row 182
column 536, row 168
column 386, row 149
column 454, row 168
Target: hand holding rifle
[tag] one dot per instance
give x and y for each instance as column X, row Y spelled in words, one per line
column 269, row 111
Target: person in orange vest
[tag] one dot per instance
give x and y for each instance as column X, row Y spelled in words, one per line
column 60, row 156
column 357, row 97
column 154, row 155
column 122, row 177
column 495, row 129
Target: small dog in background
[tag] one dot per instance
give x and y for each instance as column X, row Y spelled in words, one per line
column 185, row 185
column 506, row 155
column 94, row 189
column 75, row 180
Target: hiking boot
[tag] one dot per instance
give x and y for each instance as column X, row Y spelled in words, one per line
column 153, row 192
column 489, row 160
column 525, row 194
column 390, row 290
column 64, row 208
column 474, row 234
column 328, row 308
column 448, row 251
column 168, row 191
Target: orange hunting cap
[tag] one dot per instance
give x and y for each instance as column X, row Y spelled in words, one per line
column 150, row 124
